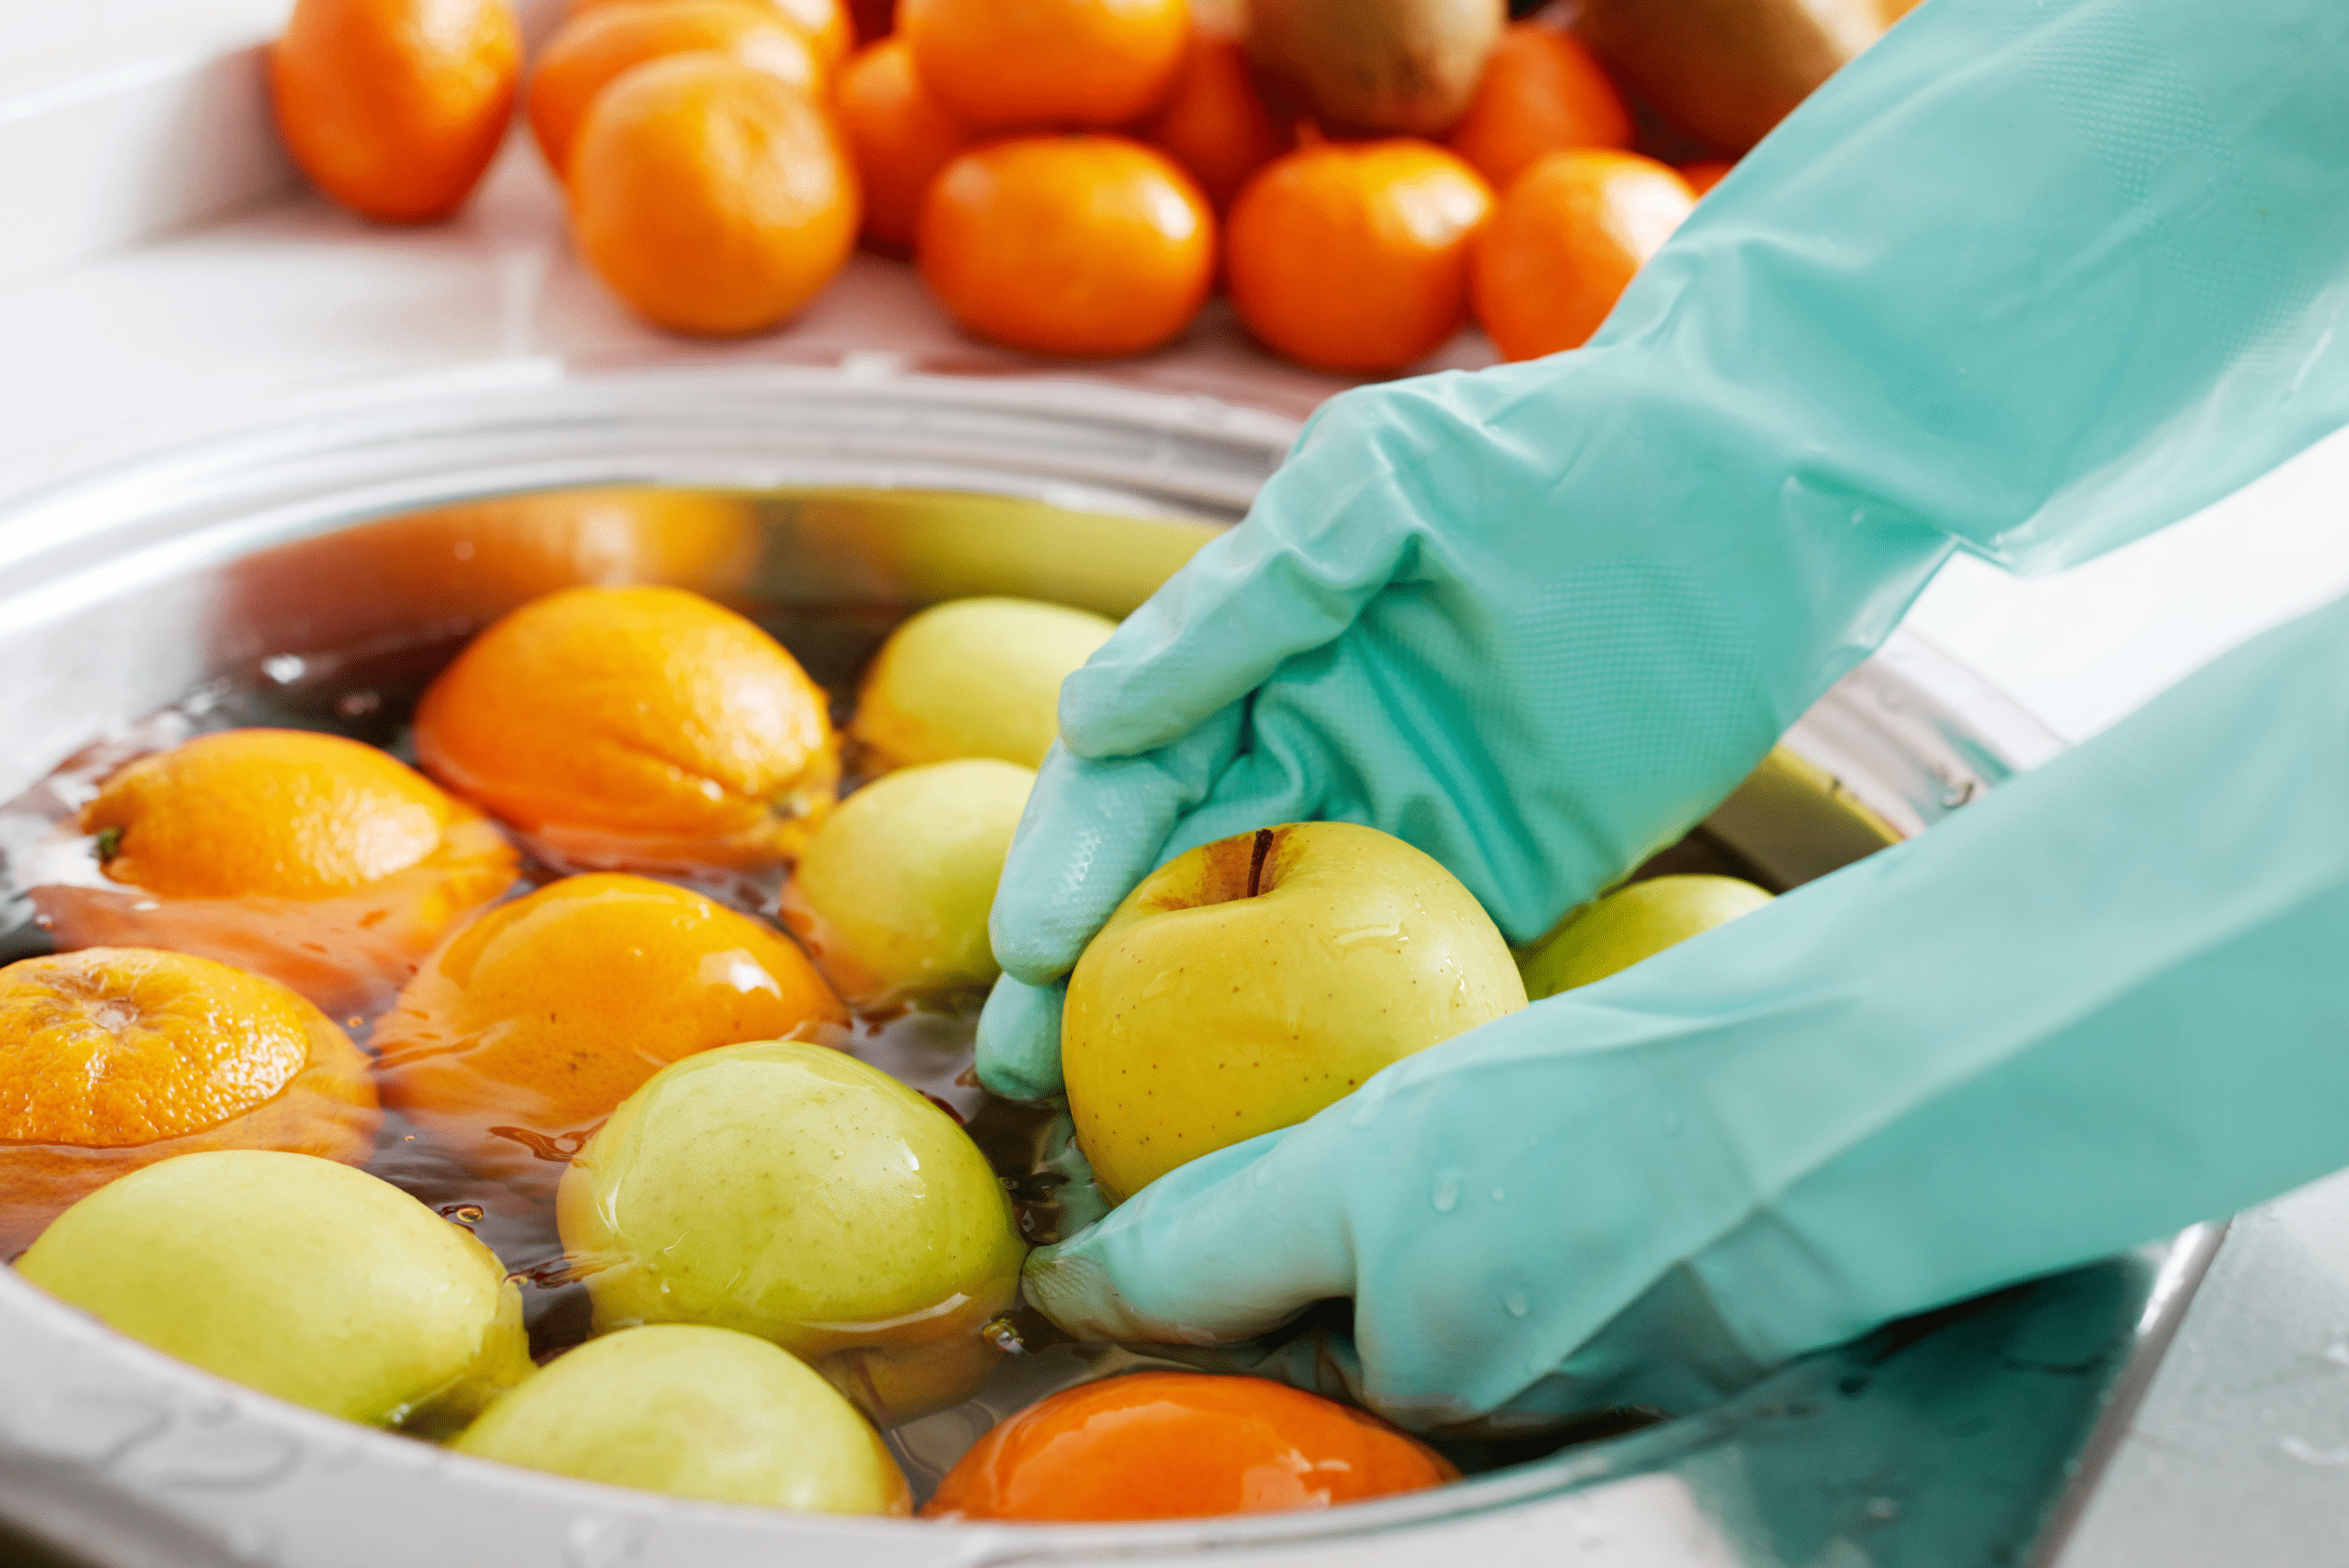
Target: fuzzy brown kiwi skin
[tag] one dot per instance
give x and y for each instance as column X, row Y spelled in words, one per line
column 1726, row 71
column 1408, row 67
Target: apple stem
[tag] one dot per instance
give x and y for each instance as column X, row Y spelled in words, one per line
column 1256, row 859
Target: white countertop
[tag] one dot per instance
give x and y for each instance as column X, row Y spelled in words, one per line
column 2238, row 1456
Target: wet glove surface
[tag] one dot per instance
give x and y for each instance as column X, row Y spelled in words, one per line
column 2030, row 278
column 2100, row 1005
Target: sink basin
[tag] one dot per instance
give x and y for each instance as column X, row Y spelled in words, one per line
column 289, row 550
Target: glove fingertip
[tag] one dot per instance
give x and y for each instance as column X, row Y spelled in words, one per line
column 1019, row 1039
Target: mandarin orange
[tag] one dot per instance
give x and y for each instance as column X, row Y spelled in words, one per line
column 900, row 134
column 1004, row 64
column 1171, row 1445
column 589, row 52
column 395, row 108
column 1354, row 256
column 637, row 726
column 115, row 1058
column 825, row 24
column 713, row 197
column 323, row 863
column 529, row 1026
column 1087, row 244
column 1564, row 244
column 1215, row 122
column 1541, row 90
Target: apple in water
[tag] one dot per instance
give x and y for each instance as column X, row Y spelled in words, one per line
column 974, row 678
column 1247, row 984
column 299, row 1277
column 893, row 893
column 1632, row 923
column 695, row 1413
column 789, row 1190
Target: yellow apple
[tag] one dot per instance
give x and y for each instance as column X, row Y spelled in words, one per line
column 893, row 893
column 1247, row 984
column 974, row 678
column 695, row 1413
column 789, row 1190
column 299, row 1277
column 1632, row 923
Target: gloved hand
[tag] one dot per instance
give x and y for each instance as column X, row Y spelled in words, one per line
column 2096, row 1006
column 2030, row 277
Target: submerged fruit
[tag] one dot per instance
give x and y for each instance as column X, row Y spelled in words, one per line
column 1633, row 923
column 974, row 678
column 1172, row 1445
column 300, row 1277
column 112, row 1059
column 1252, row 982
column 695, row 1413
column 635, row 727
column 791, row 1191
column 893, row 894
column 316, row 861
column 525, row 1031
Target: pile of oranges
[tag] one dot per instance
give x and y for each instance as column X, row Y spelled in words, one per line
column 1072, row 177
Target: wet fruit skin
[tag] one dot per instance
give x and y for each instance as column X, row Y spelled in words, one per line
column 1163, row 1445
column 974, row 678
column 792, row 1192
column 532, row 1024
column 312, row 859
column 635, row 728
column 695, row 1413
column 114, row 1059
column 300, row 1277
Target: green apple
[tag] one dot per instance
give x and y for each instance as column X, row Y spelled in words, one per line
column 299, row 1277
column 893, row 893
column 695, row 1413
column 1632, row 923
column 1247, row 984
column 974, row 678
column 789, row 1190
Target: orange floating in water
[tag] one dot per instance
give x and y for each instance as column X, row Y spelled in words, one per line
column 532, row 1024
column 311, row 859
column 1171, row 1445
column 635, row 728
column 115, row 1058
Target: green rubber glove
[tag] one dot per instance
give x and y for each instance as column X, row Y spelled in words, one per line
column 2030, row 278
column 2101, row 1004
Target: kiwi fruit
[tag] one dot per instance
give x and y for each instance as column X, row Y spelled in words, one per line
column 1403, row 66
column 1726, row 71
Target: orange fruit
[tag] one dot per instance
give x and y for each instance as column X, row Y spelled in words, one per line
column 1000, row 63
column 711, row 197
column 1215, row 122
column 900, row 134
column 395, row 108
column 1354, row 256
column 114, row 1058
column 1703, row 176
column 1541, row 90
column 635, row 727
column 823, row 23
column 1068, row 244
column 532, row 1024
column 1565, row 242
column 590, row 51
column 1175, row 1445
column 323, row 863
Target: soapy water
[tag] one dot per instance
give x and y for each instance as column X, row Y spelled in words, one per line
column 367, row 693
